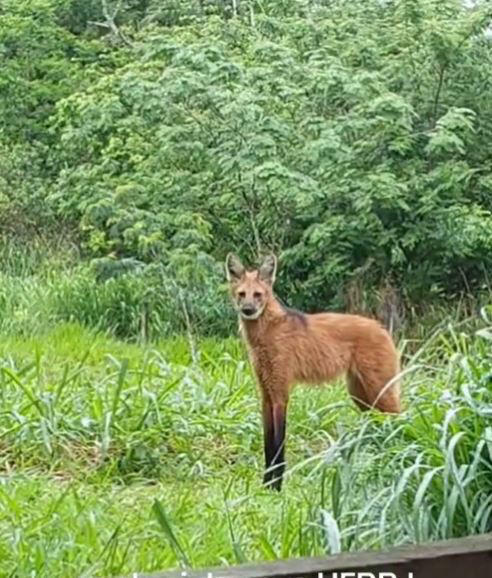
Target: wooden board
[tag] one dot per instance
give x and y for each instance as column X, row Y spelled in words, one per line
column 469, row 557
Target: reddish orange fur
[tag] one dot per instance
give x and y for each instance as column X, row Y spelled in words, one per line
column 287, row 347
column 285, row 351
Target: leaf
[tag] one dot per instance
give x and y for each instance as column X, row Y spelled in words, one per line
column 332, row 533
column 167, row 529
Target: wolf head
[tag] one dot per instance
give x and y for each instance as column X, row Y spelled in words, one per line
column 251, row 290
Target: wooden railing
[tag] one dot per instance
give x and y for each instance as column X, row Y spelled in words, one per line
column 469, row 557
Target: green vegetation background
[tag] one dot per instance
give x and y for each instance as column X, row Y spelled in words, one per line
column 142, row 140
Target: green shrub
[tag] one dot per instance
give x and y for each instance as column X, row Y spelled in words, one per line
column 142, row 304
column 345, row 136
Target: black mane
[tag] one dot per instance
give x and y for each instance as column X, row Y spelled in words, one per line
column 295, row 314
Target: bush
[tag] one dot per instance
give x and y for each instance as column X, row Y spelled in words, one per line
column 39, row 290
column 346, row 137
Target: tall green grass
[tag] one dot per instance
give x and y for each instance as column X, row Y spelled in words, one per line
column 116, row 458
column 46, row 283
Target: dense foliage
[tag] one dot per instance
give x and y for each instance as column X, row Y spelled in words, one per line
column 350, row 137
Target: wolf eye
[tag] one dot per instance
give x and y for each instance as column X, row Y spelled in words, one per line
column 257, row 295
column 241, row 294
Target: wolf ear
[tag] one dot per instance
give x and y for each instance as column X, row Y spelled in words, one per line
column 268, row 269
column 234, row 268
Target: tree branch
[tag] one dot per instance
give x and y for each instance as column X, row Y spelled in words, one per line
column 442, row 70
column 110, row 24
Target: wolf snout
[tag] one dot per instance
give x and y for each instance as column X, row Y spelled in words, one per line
column 248, row 310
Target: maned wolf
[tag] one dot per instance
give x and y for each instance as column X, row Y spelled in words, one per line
column 286, row 346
